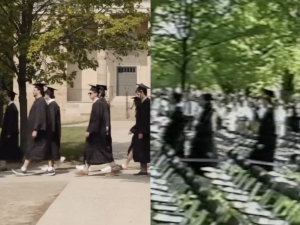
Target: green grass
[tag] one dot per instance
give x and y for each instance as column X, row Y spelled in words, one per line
column 72, row 142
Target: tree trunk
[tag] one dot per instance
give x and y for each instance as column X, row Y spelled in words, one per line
column 1, row 112
column 23, row 102
column 1, row 105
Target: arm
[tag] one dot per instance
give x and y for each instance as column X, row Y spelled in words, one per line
column 106, row 116
column 51, row 108
column 95, row 117
column 40, row 110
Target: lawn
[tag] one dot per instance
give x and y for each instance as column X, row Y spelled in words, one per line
column 72, row 142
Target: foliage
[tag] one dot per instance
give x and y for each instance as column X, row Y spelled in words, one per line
column 231, row 43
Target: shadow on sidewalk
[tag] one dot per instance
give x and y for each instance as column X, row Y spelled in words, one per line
column 125, row 177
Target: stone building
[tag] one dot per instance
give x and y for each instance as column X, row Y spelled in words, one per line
column 120, row 77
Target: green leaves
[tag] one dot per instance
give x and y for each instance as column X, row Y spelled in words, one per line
column 51, row 34
column 230, row 43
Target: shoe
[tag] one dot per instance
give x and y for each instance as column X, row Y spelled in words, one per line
column 115, row 171
column 51, row 172
column 124, row 167
column 44, row 168
column 106, row 169
column 19, row 171
column 3, row 169
column 62, row 159
column 141, row 174
column 80, row 167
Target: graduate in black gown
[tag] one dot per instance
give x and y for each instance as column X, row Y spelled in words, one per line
column 174, row 134
column 102, row 89
column 203, row 146
column 294, row 120
column 141, row 145
column 136, row 103
column 38, row 130
column 9, row 139
column 266, row 143
column 55, row 134
column 97, row 146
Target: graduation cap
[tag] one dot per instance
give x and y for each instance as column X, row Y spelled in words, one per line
column 94, row 88
column 11, row 94
column 51, row 89
column 142, row 86
column 102, row 87
column 39, row 86
column 268, row 93
column 207, row 97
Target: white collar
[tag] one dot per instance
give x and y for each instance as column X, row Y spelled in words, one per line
column 11, row 102
column 50, row 100
column 144, row 98
column 95, row 100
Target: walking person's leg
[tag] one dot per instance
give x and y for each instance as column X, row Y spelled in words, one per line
column 129, row 158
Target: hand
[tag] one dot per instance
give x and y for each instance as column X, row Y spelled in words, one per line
column 87, row 134
column 8, row 136
column 34, row 133
column 140, row 136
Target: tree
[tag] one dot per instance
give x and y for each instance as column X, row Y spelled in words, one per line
column 39, row 37
column 234, row 43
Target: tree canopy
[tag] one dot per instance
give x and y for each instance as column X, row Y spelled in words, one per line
column 227, row 44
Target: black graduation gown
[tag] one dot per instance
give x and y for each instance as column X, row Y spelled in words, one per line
column 108, row 123
column 141, row 147
column 9, row 147
column 39, row 119
column 54, row 111
column 97, row 149
column 266, row 137
column 134, row 137
column 173, row 135
column 203, row 143
column 294, row 122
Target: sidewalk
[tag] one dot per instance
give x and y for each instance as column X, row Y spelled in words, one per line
column 98, row 200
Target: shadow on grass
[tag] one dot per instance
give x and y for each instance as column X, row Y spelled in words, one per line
column 74, row 150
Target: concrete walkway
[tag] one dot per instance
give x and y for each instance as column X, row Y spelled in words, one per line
column 101, row 201
column 97, row 200
column 93, row 200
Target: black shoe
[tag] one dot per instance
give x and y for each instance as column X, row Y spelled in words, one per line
column 3, row 169
column 141, row 174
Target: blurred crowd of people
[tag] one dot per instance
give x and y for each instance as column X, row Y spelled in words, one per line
column 201, row 115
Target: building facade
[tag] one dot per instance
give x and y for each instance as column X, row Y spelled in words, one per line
column 120, row 77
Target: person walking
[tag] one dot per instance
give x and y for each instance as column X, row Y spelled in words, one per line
column 9, row 139
column 38, row 129
column 97, row 147
column 141, row 146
